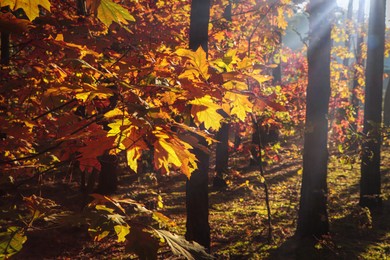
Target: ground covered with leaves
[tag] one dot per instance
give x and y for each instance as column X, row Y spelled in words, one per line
column 238, row 215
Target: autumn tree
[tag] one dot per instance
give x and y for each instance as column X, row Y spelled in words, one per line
column 312, row 215
column 370, row 183
column 197, row 226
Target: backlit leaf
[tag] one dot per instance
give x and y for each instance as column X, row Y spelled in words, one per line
column 198, row 66
column 204, row 111
column 30, row 7
column 240, row 104
column 109, row 12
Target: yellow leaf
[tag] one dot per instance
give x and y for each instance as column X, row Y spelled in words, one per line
column 83, row 96
column 109, row 12
column 134, row 144
column 220, row 36
column 281, row 22
column 261, row 78
column 121, row 231
column 30, row 7
column 240, row 104
column 169, row 151
column 115, row 112
column 198, row 65
column 59, row 37
column 204, row 111
column 237, row 85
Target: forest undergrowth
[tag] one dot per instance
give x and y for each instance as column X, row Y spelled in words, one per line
column 238, row 215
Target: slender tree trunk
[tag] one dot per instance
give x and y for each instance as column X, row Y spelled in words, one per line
column 386, row 108
column 5, row 48
column 359, row 62
column 348, row 41
column 222, row 150
column 370, row 183
column 222, row 156
column 197, row 204
column 277, row 72
column 313, row 216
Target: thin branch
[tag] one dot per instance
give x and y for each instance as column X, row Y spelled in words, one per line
column 54, row 109
column 51, row 147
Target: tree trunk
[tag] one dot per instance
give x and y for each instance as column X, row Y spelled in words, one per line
column 108, row 177
column 359, row 62
column 222, row 150
column 5, row 50
column 348, row 41
column 81, row 7
column 197, row 204
column 313, row 216
column 370, row 183
column 277, row 72
column 222, row 156
column 386, row 107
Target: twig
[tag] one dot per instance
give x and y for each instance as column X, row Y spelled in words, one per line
column 54, row 109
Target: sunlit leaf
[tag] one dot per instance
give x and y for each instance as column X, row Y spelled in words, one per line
column 30, row 7
column 198, row 66
column 109, row 12
column 180, row 246
column 204, row 111
column 121, row 231
column 240, row 104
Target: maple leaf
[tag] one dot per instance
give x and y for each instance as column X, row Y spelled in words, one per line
column 240, row 104
column 134, row 144
column 92, row 149
column 109, row 12
column 204, row 111
column 30, row 7
column 198, row 66
column 170, row 151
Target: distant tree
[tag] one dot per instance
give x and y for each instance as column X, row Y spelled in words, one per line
column 359, row 62
column 348, row 41
column 197, row 226
column 386, row 108
column 222, row 149
column 313, row 216
column 370, row 183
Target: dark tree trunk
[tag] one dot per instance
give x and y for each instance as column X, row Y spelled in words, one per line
column 222, row 156
column 359, row 61
column 277, row 72
column 200, row 15
column 222, row 150
column 313, row 216
column 370, row 183
column 108, row 179
column 197, row 203
column 5, row 48
column 81, row 7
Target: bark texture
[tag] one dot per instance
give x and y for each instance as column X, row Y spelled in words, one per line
column 197, row 205
column 370, row 183
column 313, row 216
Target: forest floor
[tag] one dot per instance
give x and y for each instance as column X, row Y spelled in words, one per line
column 238, row 215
